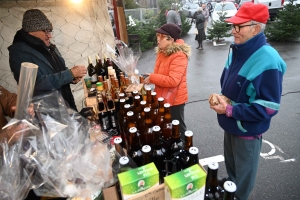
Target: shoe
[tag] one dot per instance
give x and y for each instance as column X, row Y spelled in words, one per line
column 197, row 47
column 200, row 48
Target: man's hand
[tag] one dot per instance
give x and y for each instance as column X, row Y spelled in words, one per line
column 79, row 71
column 221, row 107
column 76, row 80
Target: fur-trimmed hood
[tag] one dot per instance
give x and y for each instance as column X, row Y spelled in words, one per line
column 177, row 46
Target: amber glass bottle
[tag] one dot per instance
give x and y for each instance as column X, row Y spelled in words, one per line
column 229, row 190
column 147, row 135
column 147, row 154
column 135, row 147
column 154, row 107
column 160, row 114
column 212, row 188
column 159, row 154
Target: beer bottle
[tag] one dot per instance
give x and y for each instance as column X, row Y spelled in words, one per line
column 193, row 157
column 100, row 69
column 137, row 107
column 130, row 122
column 154, row 107
column 135, row 147
column 147, row 154
column 149, row 97
column 229, row 190
column 122, row 84
column 119, row 146
column 124, row 164
column 176, row 142
column 123, row 124
column 141, row 117
column 147, row 135
column 167, row 132
column 160, row 114
column 135, row 93
column 116, row 99
column 92, row 71
column 212, row 188
column 103, row 116
column 143, row 91
column 159, row 154
column 188, row 138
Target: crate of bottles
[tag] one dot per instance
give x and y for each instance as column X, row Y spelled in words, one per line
column 186, row 184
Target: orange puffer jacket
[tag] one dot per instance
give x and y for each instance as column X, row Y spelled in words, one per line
column 170, row 70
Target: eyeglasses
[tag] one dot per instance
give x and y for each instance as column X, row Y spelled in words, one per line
column 162, row 36
column 48, row 32
column 237, row 28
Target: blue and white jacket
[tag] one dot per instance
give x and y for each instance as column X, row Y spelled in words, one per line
column 252, row 80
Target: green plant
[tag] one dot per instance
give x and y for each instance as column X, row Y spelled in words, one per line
column 146, row 30
column 286, row 26
column 219, row 28
column 130, row 4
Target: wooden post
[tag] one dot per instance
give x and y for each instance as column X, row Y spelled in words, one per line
column 122, row 22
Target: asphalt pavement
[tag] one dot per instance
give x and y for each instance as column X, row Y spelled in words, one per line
column 278, row 174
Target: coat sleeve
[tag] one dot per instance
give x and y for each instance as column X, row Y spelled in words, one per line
column 175, row 71
column 7, row 101
column 46, row 79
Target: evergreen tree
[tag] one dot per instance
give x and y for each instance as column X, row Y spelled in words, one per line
column 286, row 26
column 219, row 28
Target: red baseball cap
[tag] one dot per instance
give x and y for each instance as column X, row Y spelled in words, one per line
column 250, row 11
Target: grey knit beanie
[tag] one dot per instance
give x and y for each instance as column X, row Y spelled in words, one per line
column 35, row 20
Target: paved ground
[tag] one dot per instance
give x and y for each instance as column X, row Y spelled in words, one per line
column 278, row 175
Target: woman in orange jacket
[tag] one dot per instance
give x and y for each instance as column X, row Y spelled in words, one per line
column 170, row 70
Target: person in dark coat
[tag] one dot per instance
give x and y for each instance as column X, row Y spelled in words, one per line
column 32, row 44
column 200, row 20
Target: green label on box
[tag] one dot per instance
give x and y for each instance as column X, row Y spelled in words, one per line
column 139, row 179
column 186, row 182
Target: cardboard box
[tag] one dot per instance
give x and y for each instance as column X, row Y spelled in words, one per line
column 138, row 180
column 154, row 193
column 110, row 193
column 188, row 184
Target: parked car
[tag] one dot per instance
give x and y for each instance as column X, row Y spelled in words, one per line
column 274, row 6
column 189, row 9
column 295, row 2
column 227, row 7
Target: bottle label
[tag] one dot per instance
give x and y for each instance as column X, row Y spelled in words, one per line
column 94, row 78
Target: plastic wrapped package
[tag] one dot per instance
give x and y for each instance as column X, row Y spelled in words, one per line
column 64, row 161
column 127, row 59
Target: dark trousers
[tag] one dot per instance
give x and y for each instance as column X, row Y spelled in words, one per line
column 177, row 112
column 241, row 161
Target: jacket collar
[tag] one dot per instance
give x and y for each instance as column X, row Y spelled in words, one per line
column 178, row 46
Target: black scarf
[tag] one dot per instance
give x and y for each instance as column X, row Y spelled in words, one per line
column 50, row 54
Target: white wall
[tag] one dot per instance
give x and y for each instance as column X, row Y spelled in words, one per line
column 80, row 30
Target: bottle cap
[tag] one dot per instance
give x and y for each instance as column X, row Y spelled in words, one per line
column 156, row 128
column 132, row 129
column 167, row 105
column 229, row 186
column 135, row 92
column 99, row 84
column 118, row 140
column 153, row 93
column 121, row 95
column 122, row 100
column 160, row 99
column 147, row 109
column 188, row 133
column 129, row 113
column 143, row 102
column 193, row 150
column 146, row 149
column 175, row 122
column 213, row 165
column 124, row 160
column 137, row 97
column 127, row 106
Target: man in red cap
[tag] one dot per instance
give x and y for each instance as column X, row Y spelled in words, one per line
column 252, row 80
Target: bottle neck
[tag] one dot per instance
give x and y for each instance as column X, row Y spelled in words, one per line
column 212, row 178
column 188, row 143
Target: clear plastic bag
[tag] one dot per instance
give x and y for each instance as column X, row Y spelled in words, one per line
column 56, row 159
